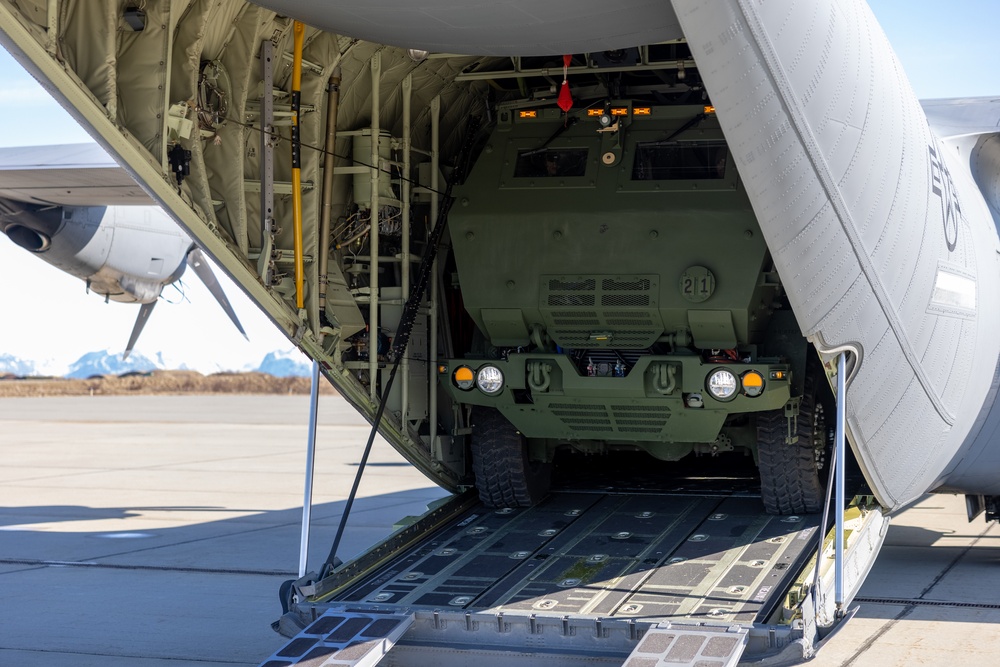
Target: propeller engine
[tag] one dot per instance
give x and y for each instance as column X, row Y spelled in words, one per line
column 123, row 253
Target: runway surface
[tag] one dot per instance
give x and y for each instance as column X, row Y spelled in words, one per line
column 154, row 532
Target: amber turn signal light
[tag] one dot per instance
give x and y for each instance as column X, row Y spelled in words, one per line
column 753, row 383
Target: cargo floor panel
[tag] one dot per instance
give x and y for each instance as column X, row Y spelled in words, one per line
column 648, row 557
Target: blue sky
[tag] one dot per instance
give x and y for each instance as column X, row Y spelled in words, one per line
column 948, row 49
column 46, row 314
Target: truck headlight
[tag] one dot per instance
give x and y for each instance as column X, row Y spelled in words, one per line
column 722, row 384
column 489, row 379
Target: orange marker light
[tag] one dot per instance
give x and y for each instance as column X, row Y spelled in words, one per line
column 619, row 111
column 594, row 112
column 753, row 383
column 642, row 111
column 464, row 378
column 709, row 109
column 527, row 114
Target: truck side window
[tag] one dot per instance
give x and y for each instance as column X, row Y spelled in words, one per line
column 689, row 160
column 551, row 162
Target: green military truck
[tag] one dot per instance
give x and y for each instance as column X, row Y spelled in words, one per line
column 624, row 298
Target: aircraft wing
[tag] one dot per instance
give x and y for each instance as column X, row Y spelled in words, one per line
column 66, row 175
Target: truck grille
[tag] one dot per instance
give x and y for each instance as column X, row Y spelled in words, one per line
column 598, row 418
column 601, row 311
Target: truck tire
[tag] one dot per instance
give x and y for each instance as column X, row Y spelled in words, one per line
column 790, row 475
column 505, row 476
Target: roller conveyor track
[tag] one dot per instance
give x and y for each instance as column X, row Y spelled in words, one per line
column 636, row 579
column 645, row 557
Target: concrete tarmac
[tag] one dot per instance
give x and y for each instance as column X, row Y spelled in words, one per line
column 155, row 531
column 932, row 597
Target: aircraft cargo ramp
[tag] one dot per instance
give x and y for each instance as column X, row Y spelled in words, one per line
column 634, row 579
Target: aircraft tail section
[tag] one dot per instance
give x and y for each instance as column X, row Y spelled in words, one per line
column 985, row 162
column 882, row 239
column 970, row 127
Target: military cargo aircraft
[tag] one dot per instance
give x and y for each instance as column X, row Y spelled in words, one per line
column 75, row 208
column 645, row 226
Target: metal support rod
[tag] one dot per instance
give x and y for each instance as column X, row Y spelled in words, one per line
column 52, row 28
column 310, row 467
column 298, row 32
column 266, row 158
column 822, row 537
column 519, row 73
column 432, row 375
column 332, row 102
column 405, row 250
column 376, row 71
column 167, row 59
column 839, row 480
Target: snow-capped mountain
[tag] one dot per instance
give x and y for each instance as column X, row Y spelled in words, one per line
column 11, row 364
column 107, row 362
column 285, row 363
column 169, row 362
column 279, row 363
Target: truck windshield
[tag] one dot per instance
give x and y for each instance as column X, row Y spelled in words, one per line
column 687, row 160
column 561, row 162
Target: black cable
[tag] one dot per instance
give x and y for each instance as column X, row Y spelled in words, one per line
column 402, row 334
column 570, row 122
column 402, row 337
column 683, row 128
column 324, row 151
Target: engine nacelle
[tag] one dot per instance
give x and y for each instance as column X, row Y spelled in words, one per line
column 124, row 253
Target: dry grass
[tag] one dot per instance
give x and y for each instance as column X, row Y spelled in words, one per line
column 159, row 383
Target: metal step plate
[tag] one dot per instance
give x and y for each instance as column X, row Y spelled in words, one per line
column 679, row 644
column 340, row 638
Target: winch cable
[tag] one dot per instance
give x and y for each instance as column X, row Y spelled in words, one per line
column 399, row 342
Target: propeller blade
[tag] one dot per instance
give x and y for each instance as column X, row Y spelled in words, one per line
column 140, row 322
column 196, row 260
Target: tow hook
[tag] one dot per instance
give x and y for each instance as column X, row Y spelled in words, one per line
column 792, row 416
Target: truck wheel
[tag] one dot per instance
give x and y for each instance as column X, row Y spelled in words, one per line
column 790, row 475
column 505, row 476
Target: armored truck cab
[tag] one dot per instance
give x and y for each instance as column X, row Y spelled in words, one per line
column 624, row 298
